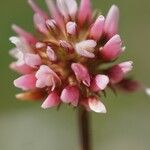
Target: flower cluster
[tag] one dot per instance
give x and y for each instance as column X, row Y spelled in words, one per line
column 71, row 60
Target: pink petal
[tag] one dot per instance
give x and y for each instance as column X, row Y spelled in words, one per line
column 26, row 82
column 67, row 8
column 63, row 8
column 17, row 54
column 51, row 101
column 96, row 105
column 81, row 73
column 51, row 54
column 21, row 47
column 112, row 48
column 126, row 66
column 55, row 13
column 72, row 7
column 46, row 81
column 32, row 60
column 46, row 77
column 27, row 36
column 85, row 53
column 40, row 45
column 70, row 95
column 37, row 9
column 43, row 70
column 117, row 72
column 67, row 46
column 129, row 85
column 23, row 69
column 40, row 83
column 85, row 12
column 86, row 48
column 51, row 23
column 87, row 44
column 111, row 22
column 97, row 28
column 71, row 28
column 40, row 23
column 100, row 82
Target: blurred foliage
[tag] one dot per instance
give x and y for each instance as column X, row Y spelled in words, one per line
column 126, row 126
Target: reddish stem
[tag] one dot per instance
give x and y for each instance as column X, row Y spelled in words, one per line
column 84, row 128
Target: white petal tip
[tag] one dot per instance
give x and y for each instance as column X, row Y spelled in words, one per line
column 44, row 106
column 131, row 62
column 101, row 17
column 97, row 106
column 114, row 6
column 13, row 39
column 123, row 49
column 14, row 26
column 147, row 91
column 31, row 2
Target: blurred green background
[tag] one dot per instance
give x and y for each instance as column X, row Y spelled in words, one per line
column 126, row 126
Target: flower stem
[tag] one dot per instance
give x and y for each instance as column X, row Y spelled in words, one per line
column 84, row 127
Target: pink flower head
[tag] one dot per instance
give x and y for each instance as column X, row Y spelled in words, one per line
column 66, row 62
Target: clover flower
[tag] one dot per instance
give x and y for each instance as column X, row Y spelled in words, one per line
column 71, row 59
